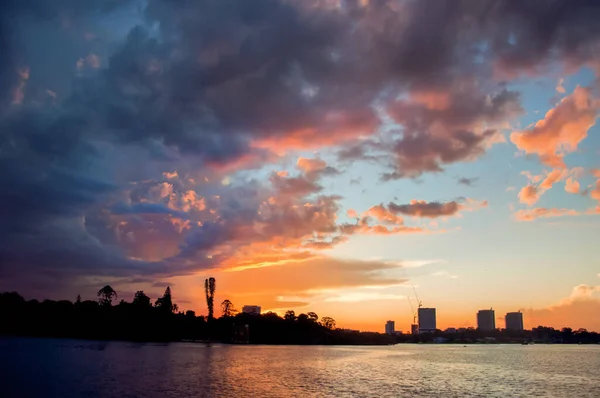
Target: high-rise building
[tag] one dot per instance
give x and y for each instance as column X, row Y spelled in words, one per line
column 427, row 323
column 514, row 321
column 486, row 320
column 390, row 327
column 251, row 309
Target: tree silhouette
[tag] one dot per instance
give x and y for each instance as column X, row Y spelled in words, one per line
column 106, row 296
column 290, row 315
column 78, row 301
column 141, row 300
column 303, row 318
column 227, row 308
column 165, row 302
column 328, row 322
column 313, row 316
column 209, row 290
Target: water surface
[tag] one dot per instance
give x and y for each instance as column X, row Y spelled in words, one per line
column 77, row 368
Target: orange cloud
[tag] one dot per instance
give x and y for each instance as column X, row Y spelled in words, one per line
column 91, row 61
column 529, row 195
column 171, row 175
column 334, row 128
column 541, row 212
column 308, row 165
column 561, row 130
column 382, row 214
column 572, row 185
column 306, row 281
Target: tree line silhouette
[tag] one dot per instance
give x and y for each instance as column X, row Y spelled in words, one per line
column 140, row 320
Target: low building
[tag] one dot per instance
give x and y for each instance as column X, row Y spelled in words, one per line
column 251, row 309
column 414, row 328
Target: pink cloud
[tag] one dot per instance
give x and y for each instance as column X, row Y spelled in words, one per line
column 572, row 185
column 308, row 165
column 562, row 128
column 560, row 88
column 529, row 195
column 541, row 212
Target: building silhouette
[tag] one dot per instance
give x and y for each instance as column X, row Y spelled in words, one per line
column 414, row 328
column 390, row 328
column 486, row 320
column 514, row 321
column 251, row 309
column 427, row 322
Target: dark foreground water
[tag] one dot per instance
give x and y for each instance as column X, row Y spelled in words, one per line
column 76, row 368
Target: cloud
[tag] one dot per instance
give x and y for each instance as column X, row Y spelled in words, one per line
column 315, row 168
column 459, row 129
column 542, row 212
column 529, row 195
column 445, row 274
column 539, row 184
column 560, row 88
column 572, row 185
column 574, row 311
column 144, row 208
column 356, row 297
column 562, row 128
column 90, row 61
column 595, row 192
column 338, row 280
column 421, row 208
column 207, row 90
column 467, row 181
column 310, row 165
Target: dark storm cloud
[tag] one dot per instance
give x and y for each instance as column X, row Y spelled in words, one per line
column 529, row 34
column 216, row 82
column 144, row 208
column 435, row 135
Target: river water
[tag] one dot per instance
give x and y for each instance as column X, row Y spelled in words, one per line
column 77, row 368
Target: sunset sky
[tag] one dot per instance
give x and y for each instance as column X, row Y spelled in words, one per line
column 314, row 155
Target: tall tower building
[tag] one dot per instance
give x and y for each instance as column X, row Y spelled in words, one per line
column 427, row 322
column 486, row 320
column 514, row 321
column 390, row 328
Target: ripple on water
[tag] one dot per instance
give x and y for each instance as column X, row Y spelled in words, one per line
column 72, row 368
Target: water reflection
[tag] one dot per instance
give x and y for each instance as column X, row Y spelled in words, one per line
column 63, row 368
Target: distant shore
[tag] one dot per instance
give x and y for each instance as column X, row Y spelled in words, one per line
column 139, row 321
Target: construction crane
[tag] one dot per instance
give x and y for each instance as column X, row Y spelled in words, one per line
column 412, row 309
column 417, row 297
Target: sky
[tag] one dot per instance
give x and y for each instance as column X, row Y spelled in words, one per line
column 335, row 156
